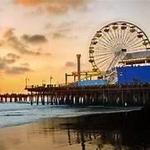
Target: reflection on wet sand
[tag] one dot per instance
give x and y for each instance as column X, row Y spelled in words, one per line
column 117, row 132
column 97, row 132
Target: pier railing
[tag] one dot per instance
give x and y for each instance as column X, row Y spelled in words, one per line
column 113, row 95
column 93, row 95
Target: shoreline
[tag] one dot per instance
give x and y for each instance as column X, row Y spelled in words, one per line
column 77, row 133
column 123, row 112
column 111, row 110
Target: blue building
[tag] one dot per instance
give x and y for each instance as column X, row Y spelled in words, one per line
column 133, row 74
column 86, row 83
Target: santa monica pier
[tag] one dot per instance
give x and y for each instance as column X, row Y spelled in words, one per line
column 120, row 76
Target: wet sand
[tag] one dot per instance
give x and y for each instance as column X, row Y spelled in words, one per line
column 93, row 132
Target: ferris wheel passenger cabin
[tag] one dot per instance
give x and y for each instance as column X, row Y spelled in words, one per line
column 122, row 50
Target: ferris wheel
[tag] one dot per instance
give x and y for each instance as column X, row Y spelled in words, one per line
column 111, row 43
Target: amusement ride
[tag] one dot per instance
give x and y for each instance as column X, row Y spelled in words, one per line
column 116, row 44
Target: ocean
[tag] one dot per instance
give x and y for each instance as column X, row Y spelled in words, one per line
column 12, row 114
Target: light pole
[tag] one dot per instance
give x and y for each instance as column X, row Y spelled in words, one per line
column 78, row 66
column 26, row 81
column 50, row 80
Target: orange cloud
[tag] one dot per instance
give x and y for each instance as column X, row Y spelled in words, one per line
column 54, row 6
column 29, row 2
column 7, row 65
column 9, row 32
column 23, row 44
column 70, row 64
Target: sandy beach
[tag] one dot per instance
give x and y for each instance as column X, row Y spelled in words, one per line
column 95, row 132
column 45, row 134
column 33, row 137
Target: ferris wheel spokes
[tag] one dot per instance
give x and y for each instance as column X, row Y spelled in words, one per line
column 113, row 41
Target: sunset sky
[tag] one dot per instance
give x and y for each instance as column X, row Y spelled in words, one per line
column 40, row 38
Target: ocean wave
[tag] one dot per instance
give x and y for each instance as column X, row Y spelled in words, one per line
column 105, row 111
column 13, row 115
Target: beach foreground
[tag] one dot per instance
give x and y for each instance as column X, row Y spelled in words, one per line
column 91, row 132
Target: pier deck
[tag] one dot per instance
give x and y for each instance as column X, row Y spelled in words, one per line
column 134, row 95
column 110, row 95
